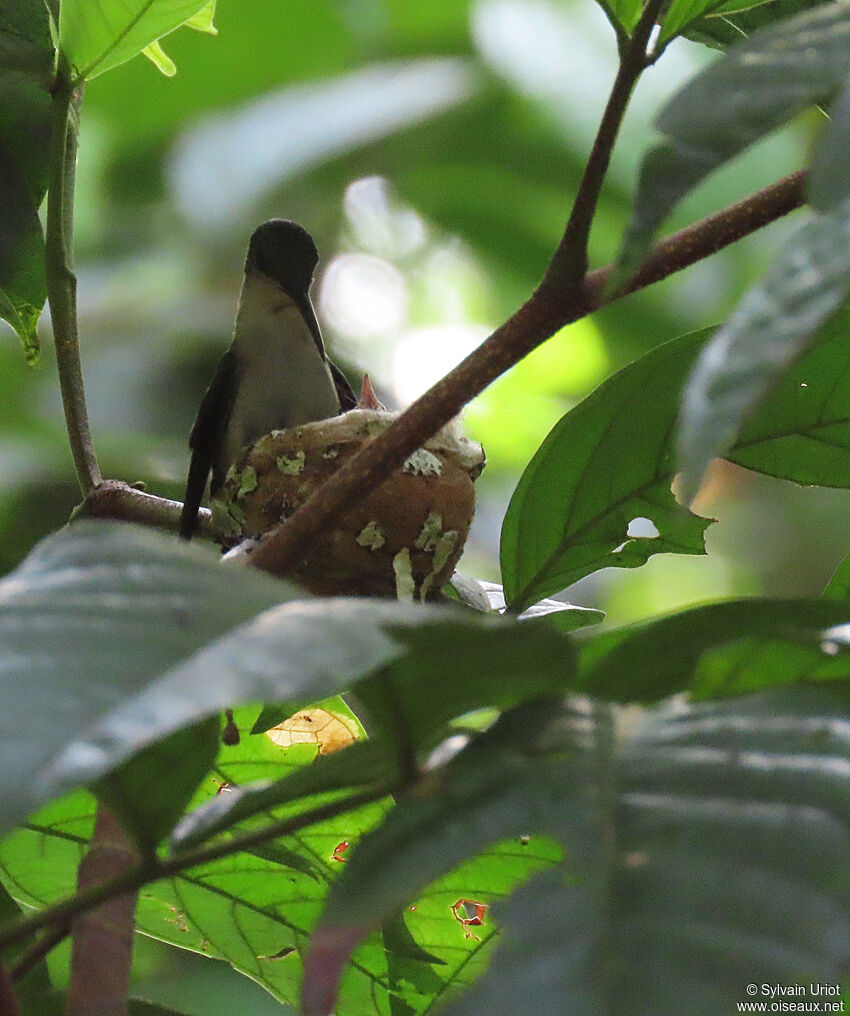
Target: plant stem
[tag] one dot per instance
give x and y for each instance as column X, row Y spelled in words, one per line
column 61, row 281
column 569, row 264
column 154, row 869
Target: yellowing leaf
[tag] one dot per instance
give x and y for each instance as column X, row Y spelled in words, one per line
column 328, row 731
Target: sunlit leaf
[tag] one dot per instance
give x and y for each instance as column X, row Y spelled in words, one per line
column 606, row 463
column 570, row 512
column 160, row 59
column 96, row 35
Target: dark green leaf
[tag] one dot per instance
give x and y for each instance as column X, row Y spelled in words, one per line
column 500, row 665
column 96, row 35
column 720, row 30
column 26, row 55
column 92, row 616
column 23, row 289
column 606, row 463
column 828, row 180
column 725, row 864
column 651, row 660
column 150, row 792
column 774, row 323
column 561, row 524
column 802, row 430
column 755, row 87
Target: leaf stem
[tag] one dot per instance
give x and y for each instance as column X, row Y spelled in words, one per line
column 154, row 869
column 61, row 281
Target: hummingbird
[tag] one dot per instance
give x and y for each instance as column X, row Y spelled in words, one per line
column 275, row 373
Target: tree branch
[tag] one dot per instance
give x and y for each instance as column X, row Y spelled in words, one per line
column 61, row 281
column 569, row 264
column 114, row 499
column 103, row 936
column 537, row 320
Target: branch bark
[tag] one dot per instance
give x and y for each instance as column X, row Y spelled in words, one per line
column 61, row 281
column 103, row 936
column 546, row 312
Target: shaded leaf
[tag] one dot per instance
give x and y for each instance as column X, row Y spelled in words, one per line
column 96, row 35
column 723, row 29
column 26, row 58
column 149, row 792
column 654, row 659
column 725, row 864
column 771, row 327
column 755, row 87
column 90, row 617
column 828, row 180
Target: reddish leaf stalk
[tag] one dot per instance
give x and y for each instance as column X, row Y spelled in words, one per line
column 103, row 937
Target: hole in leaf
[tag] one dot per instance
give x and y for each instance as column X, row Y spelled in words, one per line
column 643, row 529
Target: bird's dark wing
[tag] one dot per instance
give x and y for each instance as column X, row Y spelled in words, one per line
column 347, row 398
column 207, row 432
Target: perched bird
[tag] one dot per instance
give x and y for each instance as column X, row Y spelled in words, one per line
column 275, row 373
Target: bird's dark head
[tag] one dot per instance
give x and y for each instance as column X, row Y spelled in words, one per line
column 283, row 251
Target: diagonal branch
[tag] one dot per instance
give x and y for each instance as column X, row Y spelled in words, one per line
column 537, row 320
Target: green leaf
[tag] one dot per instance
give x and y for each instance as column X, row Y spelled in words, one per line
column 96, row 35
column 716, row 21
column 26, row 59
column 736, row 20
column 494, row 789
column 771, row 327
column 362, row 763
column 720, row 859
column 603, row 465
column 828, row 180
column 648, row 661
column 569, row 513
column 755, row 87
column 499, row 665
column 92, row 616
column 149, row 793
column 23, row 288
column 160, row 59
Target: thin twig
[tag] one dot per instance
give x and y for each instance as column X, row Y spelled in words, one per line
column 114, row 499
column 154, row 869
column 569, row 265
column 36, row 953
column 61, row 281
